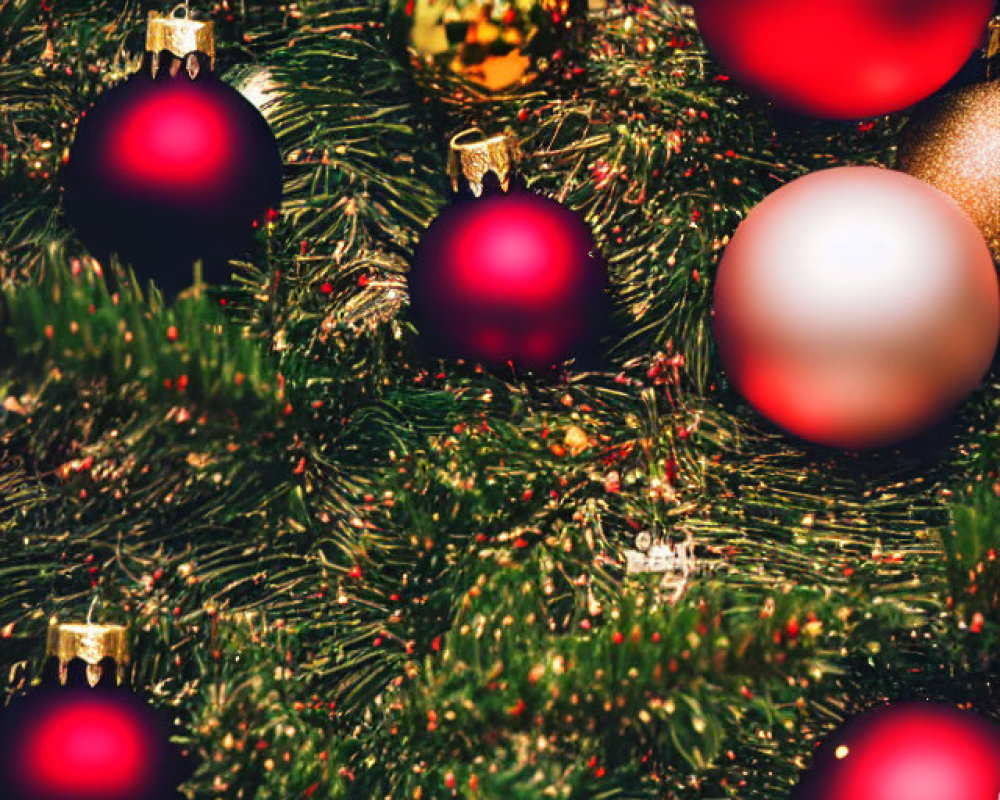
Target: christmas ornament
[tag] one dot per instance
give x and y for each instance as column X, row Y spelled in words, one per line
column 843, row 59
column 173, row 165
column 80, row 736
column 258, row 85
column 504, row 274
column 675, row 561
column 952, row 144
column 856, row 306
column 908, row 751
column 491, row 44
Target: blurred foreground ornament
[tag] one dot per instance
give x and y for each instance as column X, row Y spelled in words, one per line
column 492, row 44
column 81, row 736
column 908, row 751
column 505, row 275
column 843, row 59
column 952, row 145
column 173, row 165
column 856, row 307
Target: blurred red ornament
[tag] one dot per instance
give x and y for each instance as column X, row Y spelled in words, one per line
column 908, row 751
column 84, row 744
column 82, row 736
column 855, row 307
column 173, row 165
column 843, row 59
column 508, row 276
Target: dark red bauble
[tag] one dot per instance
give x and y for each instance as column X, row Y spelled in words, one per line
column 85, row 744
column 509, row 277
column 843, row 59
column 168, row 170
column 909, row 751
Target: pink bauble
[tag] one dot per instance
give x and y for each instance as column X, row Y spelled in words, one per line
column 909, row 751
column 85, row 744
column 855, row 307
column 508, row 277
column 843, row 59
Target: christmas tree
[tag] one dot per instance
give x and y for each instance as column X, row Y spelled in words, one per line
column 352, row 568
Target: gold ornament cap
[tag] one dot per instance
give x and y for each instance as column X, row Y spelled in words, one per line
column 180, row 35
column 473, row 154
column 91, row 644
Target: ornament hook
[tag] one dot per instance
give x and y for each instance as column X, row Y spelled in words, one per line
column 90, row 611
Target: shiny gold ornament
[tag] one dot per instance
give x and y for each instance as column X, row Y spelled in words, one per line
column 494, row 45
column 954, row 145
column 91, row 644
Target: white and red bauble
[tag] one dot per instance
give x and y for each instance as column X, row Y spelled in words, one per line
column 907, row 751
column 856, row 307
column 843, row 59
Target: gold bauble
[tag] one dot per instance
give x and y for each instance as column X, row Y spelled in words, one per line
column 954, row 145
column 490, row 45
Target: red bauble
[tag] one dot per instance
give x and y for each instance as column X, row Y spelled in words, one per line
column 85, row 744
column 910, row 751
column 509, row 277
column 843, row 59
column 169, row 169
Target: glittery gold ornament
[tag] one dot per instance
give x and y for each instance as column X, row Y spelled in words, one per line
column 494, row 45
column 954, row 145
column 576, row 440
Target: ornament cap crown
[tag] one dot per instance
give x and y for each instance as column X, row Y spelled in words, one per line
column 473, row 155
column 180, row 35
column 90, row 643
